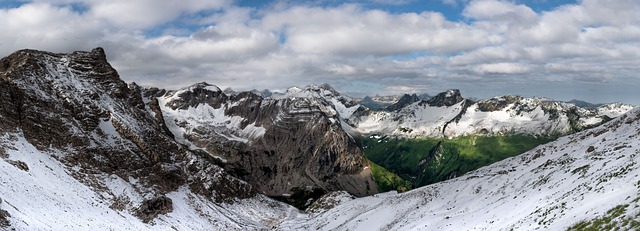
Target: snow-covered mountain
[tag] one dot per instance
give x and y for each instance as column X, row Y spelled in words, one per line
column 588, row 179
column 80, row 149
column 282, row 144
column 450, row 115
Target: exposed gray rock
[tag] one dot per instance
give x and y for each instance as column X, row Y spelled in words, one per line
column 4, row 219
column 404, row 101
column 150, row 209
column 447, row 98
column 497, row 103
column 19, row 164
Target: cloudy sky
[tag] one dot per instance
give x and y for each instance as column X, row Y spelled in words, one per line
column 584, row 49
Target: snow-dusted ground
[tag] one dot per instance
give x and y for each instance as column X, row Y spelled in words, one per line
column 47, row 197
column 549, row 188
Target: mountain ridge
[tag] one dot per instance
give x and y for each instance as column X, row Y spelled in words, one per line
column 80, row 144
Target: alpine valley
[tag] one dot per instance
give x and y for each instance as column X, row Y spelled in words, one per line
column 83, row 150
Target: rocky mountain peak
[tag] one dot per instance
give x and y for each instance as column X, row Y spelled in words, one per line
column 96, row 54
column 497, row 103
column 405, row 100
column 326, row 86
column 447, row 98
column 311, row 90
column 196, row 94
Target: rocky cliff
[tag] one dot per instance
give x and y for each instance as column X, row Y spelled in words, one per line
column 282, row 145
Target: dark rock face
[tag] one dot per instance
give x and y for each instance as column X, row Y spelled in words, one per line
column 303, row 145
column 403, row 102
column 497, row 103
column 77, row 103
column 447, row 98
column 150, row 209
column 4, row 219
column 19, row 164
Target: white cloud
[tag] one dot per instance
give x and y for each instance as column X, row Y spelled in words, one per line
column 499, row 10
column 499, row 47
column 502, row 68
column 349, row 30
column 140, row 14
column 46, row 27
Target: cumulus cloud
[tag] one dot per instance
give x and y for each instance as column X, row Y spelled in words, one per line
column 349, row 30
column 43, row 26
column 497, row 48
column 142, row 14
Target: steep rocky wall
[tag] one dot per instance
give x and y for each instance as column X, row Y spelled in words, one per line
column 304, row 146
column 78, row 104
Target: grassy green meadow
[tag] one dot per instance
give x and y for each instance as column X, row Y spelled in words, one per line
column 425, row 161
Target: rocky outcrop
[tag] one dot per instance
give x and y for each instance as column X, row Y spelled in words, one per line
column 4, row 219
column 497, row 103
column 150, row 209
column 447, row 98
column 403, row 102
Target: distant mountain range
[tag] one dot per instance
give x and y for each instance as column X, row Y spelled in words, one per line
column 449, row 114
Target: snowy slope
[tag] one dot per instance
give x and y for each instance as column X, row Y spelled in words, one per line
column 201, row 118
column 47, row 197
column 576, row 178
column 414, row 120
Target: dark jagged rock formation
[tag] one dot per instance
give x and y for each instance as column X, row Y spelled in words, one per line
column 4, row 219
column 403, row 102
column 150, row 209
column 497, row 103
column 447, row 98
